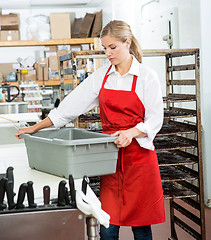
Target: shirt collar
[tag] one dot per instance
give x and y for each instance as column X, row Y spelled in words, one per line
column 134, row 69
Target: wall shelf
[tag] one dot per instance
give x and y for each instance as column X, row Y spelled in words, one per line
column 46, row 82
column 28, row 43
column 93, row 42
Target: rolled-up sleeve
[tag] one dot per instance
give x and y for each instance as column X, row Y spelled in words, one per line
column 153, row 103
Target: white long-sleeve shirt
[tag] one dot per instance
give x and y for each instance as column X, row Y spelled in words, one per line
column 85, row 97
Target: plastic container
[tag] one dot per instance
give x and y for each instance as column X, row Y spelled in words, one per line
column 38, row 28
column 71, row 151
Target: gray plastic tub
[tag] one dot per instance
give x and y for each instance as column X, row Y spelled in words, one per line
column 71, row 151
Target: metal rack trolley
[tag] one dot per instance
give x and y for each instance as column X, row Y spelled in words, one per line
column 179, row 154
column 179, row 144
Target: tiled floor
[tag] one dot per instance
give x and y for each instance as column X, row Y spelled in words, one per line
column 162, row 231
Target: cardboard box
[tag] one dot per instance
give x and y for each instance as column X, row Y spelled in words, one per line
column 97, row 25
column 60, row 25
column 9, row 35
column 26, row 75
column 53, row 63
column 39, row 54
column 9, row 22
column 64, row 47
column 49, row 54
column 30, row 77
column 83, row 125
column 85, row 30
column 42, row 69
column 21, row 75
column 61, row 52
column 76, row 27
column 85, row 47
column 1, row 77
column 6, row 68
column 76, row 47
column 50, row 48
column 50, row 51
column 54, row 75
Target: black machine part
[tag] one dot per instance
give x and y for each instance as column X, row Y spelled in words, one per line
column 30, row 195
column 2, row 192
column 85, row 182
column 7, row 89
column 10, row 175
column 72, row 190
column 61, row 193
column 10, row 194
column 46, row 194
column 21, row 195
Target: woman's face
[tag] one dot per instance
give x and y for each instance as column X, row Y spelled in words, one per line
column 115, row 50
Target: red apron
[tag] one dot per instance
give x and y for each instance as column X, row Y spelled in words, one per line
column 133, row 196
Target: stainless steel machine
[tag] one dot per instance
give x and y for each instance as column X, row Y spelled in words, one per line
column 67, row 224
column 55, row 218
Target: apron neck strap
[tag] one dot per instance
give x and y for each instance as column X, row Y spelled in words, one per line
column 134, row 83
column 106, row 76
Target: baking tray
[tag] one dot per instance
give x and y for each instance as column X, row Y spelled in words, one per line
column 89, row 117
column 174, row 173
column 174, row 127
column 176, row 157
column 166, row 143
column 71, row 151
column 179, row 113
column 179, row 98
column 175, row 190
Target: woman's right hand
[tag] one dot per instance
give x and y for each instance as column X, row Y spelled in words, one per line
column 38, row 126
column 28, row 130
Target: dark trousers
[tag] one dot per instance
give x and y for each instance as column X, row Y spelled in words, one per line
column 112, row 233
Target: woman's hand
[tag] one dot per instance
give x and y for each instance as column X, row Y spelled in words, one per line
column 38, row 126
column 126, row 136
column 28, row 130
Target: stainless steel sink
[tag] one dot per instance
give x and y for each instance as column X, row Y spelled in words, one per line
column 13, row 107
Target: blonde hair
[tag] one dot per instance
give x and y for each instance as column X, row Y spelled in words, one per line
column 122, row 31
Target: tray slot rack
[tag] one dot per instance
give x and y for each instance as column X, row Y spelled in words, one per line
column 179, row 147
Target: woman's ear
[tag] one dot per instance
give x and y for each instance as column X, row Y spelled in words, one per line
column 128, row 43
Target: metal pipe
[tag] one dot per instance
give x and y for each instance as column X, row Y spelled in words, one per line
column 92, row 228
column 144, row 5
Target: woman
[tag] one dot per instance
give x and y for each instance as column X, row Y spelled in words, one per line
column 130, row 100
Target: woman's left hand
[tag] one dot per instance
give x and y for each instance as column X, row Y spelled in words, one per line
column 126, row 136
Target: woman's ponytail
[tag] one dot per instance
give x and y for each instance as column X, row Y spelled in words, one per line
column 135, row 49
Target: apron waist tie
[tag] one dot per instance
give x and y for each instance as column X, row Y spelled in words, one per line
column 123, row 174
column 121, row 167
